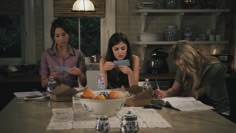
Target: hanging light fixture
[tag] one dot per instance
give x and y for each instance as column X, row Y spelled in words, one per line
column 83, row 5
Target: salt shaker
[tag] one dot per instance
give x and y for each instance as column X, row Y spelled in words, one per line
column 129, row 123
column 102, row 124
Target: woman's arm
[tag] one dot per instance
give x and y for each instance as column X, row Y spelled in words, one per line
column 104, row 66
column 134, row 75
column 102, row 70
column 173, row 91
column 82, row 70
column 79, row 70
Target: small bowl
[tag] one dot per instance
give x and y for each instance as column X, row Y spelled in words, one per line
column 108, row 107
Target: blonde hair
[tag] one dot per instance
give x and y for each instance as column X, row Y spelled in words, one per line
column 194, row 62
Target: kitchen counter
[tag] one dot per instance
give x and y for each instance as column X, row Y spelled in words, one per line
column 36, row 78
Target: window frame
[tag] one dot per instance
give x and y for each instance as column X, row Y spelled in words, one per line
column 28, row 54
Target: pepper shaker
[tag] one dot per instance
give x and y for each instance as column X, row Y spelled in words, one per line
column 129, row 123
column 102, row 124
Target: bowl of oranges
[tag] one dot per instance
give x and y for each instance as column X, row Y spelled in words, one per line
column 102, row 102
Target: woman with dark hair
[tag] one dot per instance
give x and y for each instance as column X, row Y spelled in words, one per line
column 198, row 76
column 65, row 63
column 119, row 67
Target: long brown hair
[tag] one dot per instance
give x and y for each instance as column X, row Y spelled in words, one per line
column 194, row 63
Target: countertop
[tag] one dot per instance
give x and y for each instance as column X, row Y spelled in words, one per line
column 33, row 116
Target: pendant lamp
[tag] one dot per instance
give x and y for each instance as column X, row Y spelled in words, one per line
column 83, row 5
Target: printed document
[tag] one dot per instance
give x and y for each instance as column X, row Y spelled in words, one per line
column 186, row 104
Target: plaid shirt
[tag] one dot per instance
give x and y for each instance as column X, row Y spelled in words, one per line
column 50, row 60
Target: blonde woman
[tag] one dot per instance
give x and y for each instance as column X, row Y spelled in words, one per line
column 199, row 76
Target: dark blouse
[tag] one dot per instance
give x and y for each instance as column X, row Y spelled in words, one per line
column 116, row 79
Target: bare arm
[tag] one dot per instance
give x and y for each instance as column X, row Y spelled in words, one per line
column 104, row 66
column 82, row 71
column 133, row 76
column 173, row 91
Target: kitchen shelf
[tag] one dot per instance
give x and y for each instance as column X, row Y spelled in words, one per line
column 179, row 13
column 141, row 43
column 182, row 10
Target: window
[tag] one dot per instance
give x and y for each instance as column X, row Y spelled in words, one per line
column 10, row 36
column 86, row 25
column 11, row 31
column 56, row 8
column 89, row 38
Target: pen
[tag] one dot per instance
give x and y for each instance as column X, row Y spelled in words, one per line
column 157, row 90
column 158, row 87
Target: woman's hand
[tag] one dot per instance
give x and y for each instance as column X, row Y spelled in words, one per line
column 159, row 94
column 108, row 65
column 74, row 71
column 55, row 74
column 125, row 69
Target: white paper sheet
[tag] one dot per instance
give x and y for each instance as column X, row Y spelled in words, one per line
column 186, row 104
column 62, row 118
column 27, row 93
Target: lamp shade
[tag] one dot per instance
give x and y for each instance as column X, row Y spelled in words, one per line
column 83, row 5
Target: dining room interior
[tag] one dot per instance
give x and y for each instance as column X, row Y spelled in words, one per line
column 152, row 27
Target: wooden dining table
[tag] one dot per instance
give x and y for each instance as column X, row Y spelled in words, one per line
column 21, row 116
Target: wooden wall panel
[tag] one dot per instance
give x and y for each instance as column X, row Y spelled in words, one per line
column 12, row 7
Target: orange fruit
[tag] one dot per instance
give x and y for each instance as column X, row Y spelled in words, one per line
column 100, row 97
column 116, row 94
column 87, row 93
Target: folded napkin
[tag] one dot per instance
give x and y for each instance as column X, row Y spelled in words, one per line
column 63, row 92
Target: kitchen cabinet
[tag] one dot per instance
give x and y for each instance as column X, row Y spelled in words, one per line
column 212, row 14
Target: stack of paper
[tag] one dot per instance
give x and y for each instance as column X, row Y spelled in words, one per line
column 186, row 104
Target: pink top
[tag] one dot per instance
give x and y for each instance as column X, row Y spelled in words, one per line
column 51, row 62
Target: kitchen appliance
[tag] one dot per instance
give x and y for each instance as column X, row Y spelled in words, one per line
column 226, row 59
column 158, row 63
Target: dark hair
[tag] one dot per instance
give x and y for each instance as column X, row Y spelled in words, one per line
column 114, row 40
column 59, row 23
